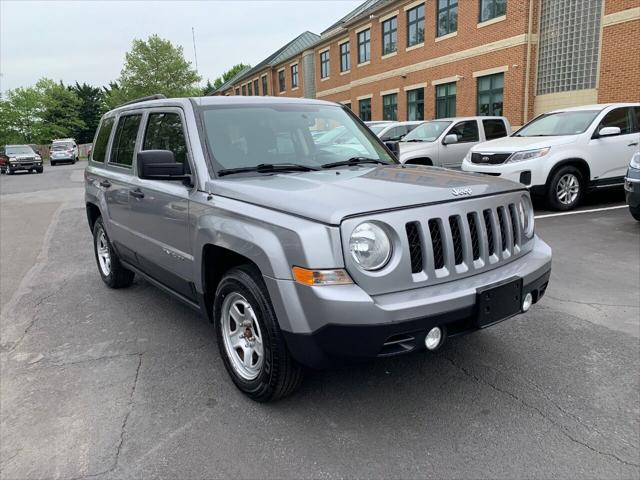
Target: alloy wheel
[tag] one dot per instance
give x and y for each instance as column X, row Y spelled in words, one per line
column 567, row 189
column 104, row 256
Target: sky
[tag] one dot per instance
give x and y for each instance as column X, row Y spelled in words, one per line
column 86, row 41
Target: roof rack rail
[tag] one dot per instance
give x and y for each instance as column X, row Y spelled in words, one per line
column 157, row 96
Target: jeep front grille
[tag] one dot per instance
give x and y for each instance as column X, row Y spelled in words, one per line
column 464, row 242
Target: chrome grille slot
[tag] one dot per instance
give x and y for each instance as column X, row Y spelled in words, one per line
column 472, row 218
column 436, row 241
column 415, row 246
column 457, row 239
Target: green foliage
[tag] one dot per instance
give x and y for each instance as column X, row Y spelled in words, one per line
column 155, row 66
column 20, row 115
column 228, row 74
column 92, row 107
column 61, row 111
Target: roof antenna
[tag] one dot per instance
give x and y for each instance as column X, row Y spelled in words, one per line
column 195, row 52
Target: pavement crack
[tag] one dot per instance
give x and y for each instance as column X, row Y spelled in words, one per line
column 592, row 304
column 561, row 428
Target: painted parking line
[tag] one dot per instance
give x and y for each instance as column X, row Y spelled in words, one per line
column 562, row 214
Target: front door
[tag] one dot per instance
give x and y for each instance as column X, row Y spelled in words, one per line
column 610, row 155
column 160, row 208
column 451, row 155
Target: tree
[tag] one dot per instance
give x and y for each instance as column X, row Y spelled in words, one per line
column 20, row 112
column 92, row 106
column 233, row 71
column 208, row 88
column 155, row 66
column 61, row 111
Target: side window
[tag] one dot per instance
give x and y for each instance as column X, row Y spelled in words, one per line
column 494, row 128
column 100, row 147
column 165, row 132
column 391, row 133
column 620, row 117
column 466, row 131
column 636, row 114
column 124, row 142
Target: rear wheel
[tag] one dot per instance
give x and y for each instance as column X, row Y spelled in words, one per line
column 249, row 339
column 635, row 212
column 566, row 188
column 109, row 266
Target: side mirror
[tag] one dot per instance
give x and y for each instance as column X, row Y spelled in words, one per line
column 159, row 165
column 449, row 139
column 609, row 131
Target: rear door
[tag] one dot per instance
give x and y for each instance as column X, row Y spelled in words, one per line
column 117, row 182
column 160, row 208
column 451, row 155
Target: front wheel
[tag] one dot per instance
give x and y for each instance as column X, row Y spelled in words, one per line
column 635, row 212
column 566, row 188
column 249, row 339
column 109, row 266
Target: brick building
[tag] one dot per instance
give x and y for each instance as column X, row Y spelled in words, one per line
column 407, row 60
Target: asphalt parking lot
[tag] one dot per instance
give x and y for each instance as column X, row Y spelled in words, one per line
column 128, row 383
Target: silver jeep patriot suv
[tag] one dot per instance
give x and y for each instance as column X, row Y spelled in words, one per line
column 304, row 254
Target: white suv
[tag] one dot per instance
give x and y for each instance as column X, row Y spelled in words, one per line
column 561, row 154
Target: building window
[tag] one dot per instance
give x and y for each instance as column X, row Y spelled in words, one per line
column 249, row 89
column 492, row 8
column 281, row 83
column 490, row 93
column 264, row 86
column 390, row 107
column 389, row 36
column 364, row 110
column 325, row 67
column 446, row 100
column 415, row 104
column 244, row 90
column 364, row 46
column 447, row 17
column 415, row 26
column 294, row 76
column 255, row 87
column 569, row 42
column 237, row 91
column 345, row 57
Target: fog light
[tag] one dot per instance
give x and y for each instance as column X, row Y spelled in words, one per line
column 528, row 301
column 433, row 338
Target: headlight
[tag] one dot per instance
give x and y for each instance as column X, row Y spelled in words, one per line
column 528, row 155
column 38, row 158
column 370, row 246
column 635, row 160
column 525, row 212
column 13, row 159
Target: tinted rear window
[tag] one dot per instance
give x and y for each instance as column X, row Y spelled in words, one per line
column 494, row 128
column 100, row 146
column 124, row 142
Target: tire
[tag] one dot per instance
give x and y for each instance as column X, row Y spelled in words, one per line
column 566, row 189
column 9, row 171
column 275, row 374
column 113, row 274
column 635, row 213
column 420, row 161
column 53, row 164
column 40, row 170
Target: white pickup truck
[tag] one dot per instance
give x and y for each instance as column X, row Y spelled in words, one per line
column 446, row 141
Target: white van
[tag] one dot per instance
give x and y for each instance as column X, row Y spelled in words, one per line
column 561, row 154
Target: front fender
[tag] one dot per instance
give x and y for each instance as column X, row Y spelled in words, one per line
column 274, row 241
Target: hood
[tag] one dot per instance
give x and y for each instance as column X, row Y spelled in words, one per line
column 328, row 196
column 516, row 144
column 406, row 148
column 24, row 156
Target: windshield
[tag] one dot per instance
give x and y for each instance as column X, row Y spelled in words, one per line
column 61, row 146
column 19, row 150
column 252, row 135
column 427, row 132
column 561, row 123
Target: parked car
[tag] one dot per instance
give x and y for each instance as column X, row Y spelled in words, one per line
column 300, row 253
column 62, row 151
column 561, row 154
column 19, row 157
column 446, row 141
column 632, row 186
column 394, row 132
column 372, row 123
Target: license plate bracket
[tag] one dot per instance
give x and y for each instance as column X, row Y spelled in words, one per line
column 498, row 302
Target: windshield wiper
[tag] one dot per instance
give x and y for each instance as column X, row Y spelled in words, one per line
column 268, row 168
column 354, row 161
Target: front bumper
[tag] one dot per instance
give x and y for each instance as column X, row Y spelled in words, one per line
column 326, row 326
column 632, row 188
column 528, row 172
column 15, row 166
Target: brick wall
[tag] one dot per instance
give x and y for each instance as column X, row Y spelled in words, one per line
column 620, row 63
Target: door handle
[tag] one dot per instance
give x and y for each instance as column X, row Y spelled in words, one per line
column 137, row 193
column 632, row 144
column 105, row 183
